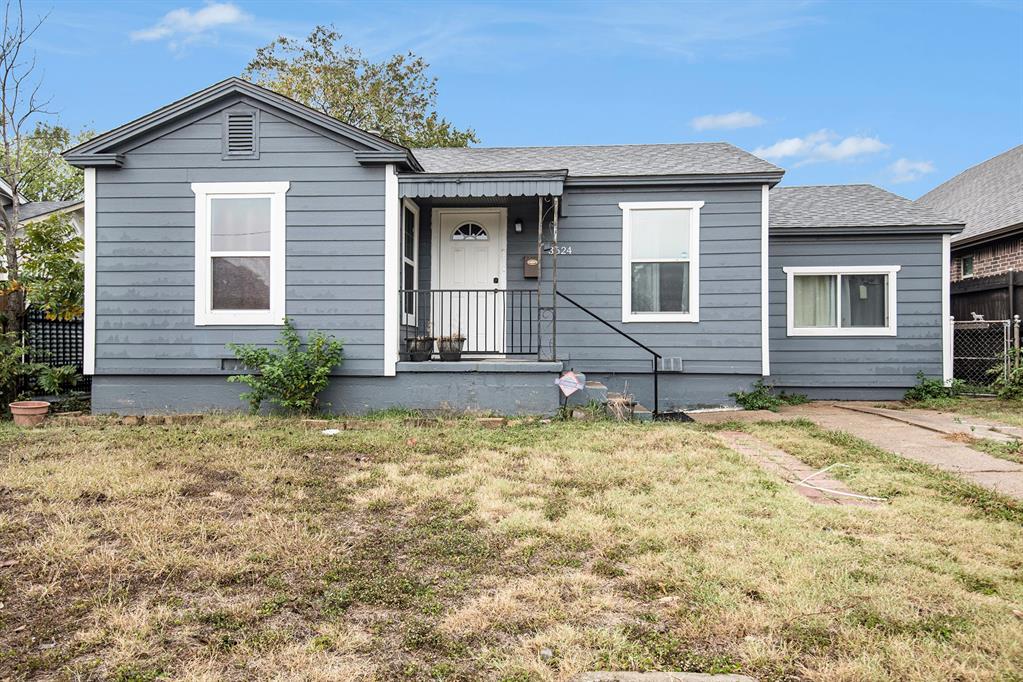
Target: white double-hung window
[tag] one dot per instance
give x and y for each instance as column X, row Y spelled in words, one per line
column 661, row 261
column 239, row 252
column 842, row 301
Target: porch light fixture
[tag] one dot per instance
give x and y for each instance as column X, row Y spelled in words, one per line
column 518, row 225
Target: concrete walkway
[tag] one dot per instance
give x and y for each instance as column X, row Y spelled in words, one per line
column 948, row 423
column 915, row 442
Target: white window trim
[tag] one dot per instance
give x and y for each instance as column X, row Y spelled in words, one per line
column 694, row 261
column 409, row 317
column 790, row 309
column 204, row 192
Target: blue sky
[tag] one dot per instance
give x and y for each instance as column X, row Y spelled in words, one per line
column 903, row 95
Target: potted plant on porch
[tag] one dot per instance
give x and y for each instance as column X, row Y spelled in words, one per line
column 419, row 348
column 450, row 347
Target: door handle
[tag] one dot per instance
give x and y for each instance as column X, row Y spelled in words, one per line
column 495, row 280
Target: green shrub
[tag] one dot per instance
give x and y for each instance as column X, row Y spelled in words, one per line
column 58, row 380
column 929, row 388
column 1008, row 387
column 762, row 397
column 290, row 377
column 13, row 368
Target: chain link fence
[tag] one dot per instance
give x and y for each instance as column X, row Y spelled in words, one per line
column 983, row 351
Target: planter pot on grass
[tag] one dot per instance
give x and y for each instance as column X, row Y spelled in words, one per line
column 29, row 412
column 419, row 348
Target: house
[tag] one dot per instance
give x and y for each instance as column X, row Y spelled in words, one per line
column 672, row 272
column 987, row 257
column 35, row 211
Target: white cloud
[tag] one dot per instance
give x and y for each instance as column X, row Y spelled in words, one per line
column 905, row 170
column 823, row 145
column 730, row 121
column 182, row 26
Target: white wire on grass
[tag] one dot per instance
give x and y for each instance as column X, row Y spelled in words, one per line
column 831, row 491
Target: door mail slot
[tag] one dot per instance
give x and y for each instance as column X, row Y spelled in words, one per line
column 530, row 267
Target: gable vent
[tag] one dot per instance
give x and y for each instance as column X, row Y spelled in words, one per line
column 240, row 136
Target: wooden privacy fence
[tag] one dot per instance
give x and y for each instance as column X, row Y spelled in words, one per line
column 997, row 297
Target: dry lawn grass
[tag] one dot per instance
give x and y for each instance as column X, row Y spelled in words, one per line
column 254, row 549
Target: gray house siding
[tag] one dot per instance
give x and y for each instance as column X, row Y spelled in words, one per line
column 145, row 231
column 706, row 360
column 860, row 367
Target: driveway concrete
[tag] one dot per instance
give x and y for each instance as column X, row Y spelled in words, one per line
column 948, row 423
column 917, row 443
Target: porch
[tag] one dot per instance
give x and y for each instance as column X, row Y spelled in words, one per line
column 478, row 269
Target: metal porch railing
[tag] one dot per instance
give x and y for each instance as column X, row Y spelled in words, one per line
column 489, row 322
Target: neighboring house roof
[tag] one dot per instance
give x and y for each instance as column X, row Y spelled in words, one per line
column 988, row 197
column 105, row 149
column 852, row 207
column 35, row 210
column 602, row 161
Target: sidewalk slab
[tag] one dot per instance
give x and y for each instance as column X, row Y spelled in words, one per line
column 948, row 423
column 916, row 443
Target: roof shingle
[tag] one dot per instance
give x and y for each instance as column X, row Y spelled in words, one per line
column 988, row 196
column 848, row 206
column 704, row 158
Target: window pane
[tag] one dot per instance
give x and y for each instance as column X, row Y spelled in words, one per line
column 240, row 224
column 660, row 233
column 660, row 287
column 864, row 301
column 410, row 235
column 241, row 283
column 814, row 299
column 409, row 282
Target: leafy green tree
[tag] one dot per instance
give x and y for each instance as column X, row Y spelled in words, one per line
column 47, row 176
column 395, row 97
column 51, row 275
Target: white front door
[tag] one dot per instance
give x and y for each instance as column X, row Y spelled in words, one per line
column 469, row 277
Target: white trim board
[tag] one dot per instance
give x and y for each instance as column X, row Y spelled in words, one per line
column 205, row 192
column 694, row 261
column 790, row 311
column 946, row 308
column 89, row 324
column 765, row 330
column 392, row 245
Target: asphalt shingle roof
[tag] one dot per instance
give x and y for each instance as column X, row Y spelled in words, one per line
column 34, row 209
column 598, row 161
column 848, row 206
column 987, row 197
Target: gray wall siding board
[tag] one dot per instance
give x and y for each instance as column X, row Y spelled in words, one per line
column 145, row 247
column 876, row 367
column 727, row 338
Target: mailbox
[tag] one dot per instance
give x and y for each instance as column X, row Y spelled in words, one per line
column 530, row 267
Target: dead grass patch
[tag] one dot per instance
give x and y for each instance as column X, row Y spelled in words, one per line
column 246, row 548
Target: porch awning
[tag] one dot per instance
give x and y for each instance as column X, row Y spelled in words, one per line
column 507, row 184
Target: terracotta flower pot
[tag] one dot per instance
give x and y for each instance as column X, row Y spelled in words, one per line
column 29, row 412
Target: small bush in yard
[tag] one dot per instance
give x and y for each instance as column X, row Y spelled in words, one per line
column 1008, row 387
column 929, row 388
column 290, row 377
column 762, row 397
column 14, row 370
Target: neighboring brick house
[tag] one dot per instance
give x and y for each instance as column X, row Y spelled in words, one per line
column 989, row 198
